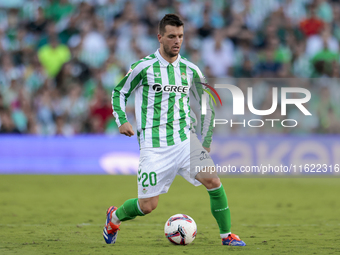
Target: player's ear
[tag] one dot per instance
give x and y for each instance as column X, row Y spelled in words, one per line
column 159, row 37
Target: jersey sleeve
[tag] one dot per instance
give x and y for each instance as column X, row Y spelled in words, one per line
column 206, row 120
column 121, row 93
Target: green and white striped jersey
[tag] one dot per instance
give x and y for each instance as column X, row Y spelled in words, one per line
column 162, row 106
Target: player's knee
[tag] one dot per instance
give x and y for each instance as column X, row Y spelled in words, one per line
column 212, row 183
column 148, row 206
column 147, row 210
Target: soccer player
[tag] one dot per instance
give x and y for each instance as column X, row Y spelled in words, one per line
column 165, row 132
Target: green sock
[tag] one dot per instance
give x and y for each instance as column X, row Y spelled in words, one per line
column 129, row 210
column 220, row 209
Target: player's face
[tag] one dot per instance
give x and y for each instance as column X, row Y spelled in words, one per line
column 172, row 40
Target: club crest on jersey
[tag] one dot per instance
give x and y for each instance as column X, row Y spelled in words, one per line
column 170, row 88
column 183, row 76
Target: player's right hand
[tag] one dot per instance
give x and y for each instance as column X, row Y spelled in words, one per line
column 126, row 129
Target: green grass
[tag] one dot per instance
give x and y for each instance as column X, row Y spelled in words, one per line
column 65, row 215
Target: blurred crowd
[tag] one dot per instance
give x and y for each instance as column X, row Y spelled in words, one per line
column 61, row 59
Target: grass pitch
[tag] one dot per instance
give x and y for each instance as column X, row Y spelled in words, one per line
column 65, row 215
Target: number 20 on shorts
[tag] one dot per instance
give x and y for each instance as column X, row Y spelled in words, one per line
column 152, row 177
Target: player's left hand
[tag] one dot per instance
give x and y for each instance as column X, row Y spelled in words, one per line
column 207, row 149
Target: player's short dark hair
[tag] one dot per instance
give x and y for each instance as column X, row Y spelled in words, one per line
column 169, row 19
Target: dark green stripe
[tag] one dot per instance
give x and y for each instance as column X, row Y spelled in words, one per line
column 200, row 91
column 208, row 138
column 138, row 138
column 182, row 120
column 157, row 108
column 171, row 102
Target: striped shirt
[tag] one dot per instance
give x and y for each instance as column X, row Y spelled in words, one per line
column 162, row 106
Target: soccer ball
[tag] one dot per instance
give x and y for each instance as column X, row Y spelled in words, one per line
column 180, row 229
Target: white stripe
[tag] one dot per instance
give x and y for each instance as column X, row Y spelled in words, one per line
column 138, row 106
column 193, row 92
column 176, row 124
column 164, row 108
column 185, row 105
column 150, row 109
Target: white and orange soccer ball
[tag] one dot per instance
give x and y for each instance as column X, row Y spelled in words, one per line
column 180, row 229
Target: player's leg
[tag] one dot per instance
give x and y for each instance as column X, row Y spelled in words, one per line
column 147, row 205
column 219, row 205
column 198, row 168
column 218, row 200
column 129, row 210
column 154, row 177
column 134, row 207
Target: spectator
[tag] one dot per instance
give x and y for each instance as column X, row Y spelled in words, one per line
column 268, row 66
column 100, row 110
column 93, row 47
column 317, row 43
column 112, row 73
column 59, row 10
column 69, row 31
column 295, row 11
column 7, row 126
column 34, row 75
column 312, row 25
column 52, row 56
column 218, row 54
column 75, row 107
column 45, row 111
column 62, row 128
column 324, row 10
column 301, row 62
column 206, row 28
column 244, row 51
column 8, row 71
column 38, row 26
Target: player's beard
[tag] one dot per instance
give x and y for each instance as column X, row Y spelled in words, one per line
column 167, row 51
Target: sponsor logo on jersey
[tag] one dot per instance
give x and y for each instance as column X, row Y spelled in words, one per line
column 170, row 88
